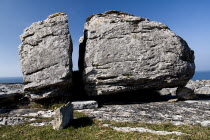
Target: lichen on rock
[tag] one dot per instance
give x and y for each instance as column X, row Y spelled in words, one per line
column 56, row 14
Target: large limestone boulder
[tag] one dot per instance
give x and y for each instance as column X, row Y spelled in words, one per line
column 45, row 54
column 120, row 52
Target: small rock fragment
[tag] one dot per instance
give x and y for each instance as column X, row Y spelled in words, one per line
column 172, row 100
column 185, row 93
column 63, row 116
column 164, row 92
column 205, row 123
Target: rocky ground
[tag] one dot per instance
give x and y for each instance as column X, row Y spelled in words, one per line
column 19, row 116
column 165, row 108
column 178, row 113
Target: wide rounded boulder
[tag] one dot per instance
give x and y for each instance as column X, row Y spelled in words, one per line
column 120, row 52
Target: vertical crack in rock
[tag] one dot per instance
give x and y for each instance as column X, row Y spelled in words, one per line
column 82, row 46
column 46, row 58
column 77, row 75
column 120, row 52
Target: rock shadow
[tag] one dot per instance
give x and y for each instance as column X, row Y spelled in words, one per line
column 82, row 122
column 132, row 97
column 203, row 96
column 20, row 101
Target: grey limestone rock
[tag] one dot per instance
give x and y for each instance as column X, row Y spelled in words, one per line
column 78, row 105
column 185, row 93
column 10, row 93
column 205, row 123
column 200, row 87
column 178, row 113
column 120, row 52
column 168, row 91
column 144, row 130
column 63, row 116
column 14, row 120
column 45, row 54
column 19, row 116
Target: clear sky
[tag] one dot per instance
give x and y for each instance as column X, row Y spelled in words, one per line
column 189, row 19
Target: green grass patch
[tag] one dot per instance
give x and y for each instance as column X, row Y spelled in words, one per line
column 34, row 105
column 85, row 128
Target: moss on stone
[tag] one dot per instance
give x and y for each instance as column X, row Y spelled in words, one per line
column 56, row 14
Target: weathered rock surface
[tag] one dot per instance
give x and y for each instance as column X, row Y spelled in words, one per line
column 178, row 113
column 14, row 120
column 10, row 93
column 63, row 116
column 143, row 130
column 200, row 87
column 45, row 54
column 78, row 105
column 120, row 52
column 27, row 113
column 168, row 91
column 19, row 116
column 205, row 123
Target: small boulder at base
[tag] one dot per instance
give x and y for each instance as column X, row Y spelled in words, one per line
column 46, row 58
column 185, row 93
column 120, row 52
column 63, row 116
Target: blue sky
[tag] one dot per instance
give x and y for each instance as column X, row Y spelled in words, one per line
column 189, row 19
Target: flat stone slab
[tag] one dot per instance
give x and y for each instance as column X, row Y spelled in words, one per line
column 11, row 88
column 14, row 120
column 178, row 113
column 19, row 116
column 27, row 113
column 142, row 130
column 78, row 105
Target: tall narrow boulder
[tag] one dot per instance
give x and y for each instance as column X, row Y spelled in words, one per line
column 46, row 57
column 120, row 52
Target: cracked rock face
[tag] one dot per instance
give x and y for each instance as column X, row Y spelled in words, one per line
column 45, row 54
column 120, row 52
